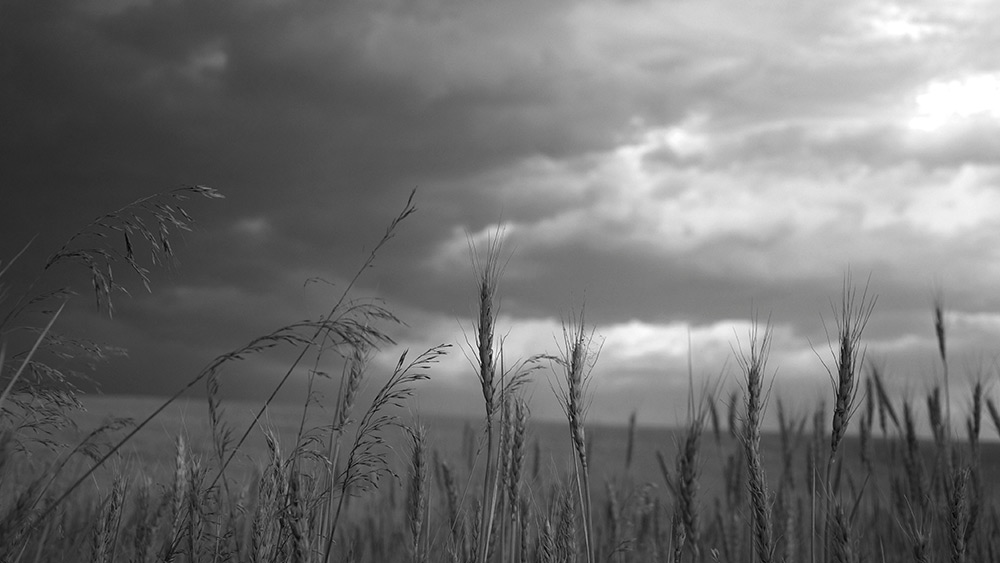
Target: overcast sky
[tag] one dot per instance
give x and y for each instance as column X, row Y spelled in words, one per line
column 673, row 165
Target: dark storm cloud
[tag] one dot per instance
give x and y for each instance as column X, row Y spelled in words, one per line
column 329, row 107
column 670, row 164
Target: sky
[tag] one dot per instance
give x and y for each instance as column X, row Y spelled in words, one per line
column 672, row 167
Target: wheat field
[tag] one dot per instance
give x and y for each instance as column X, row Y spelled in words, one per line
column 358, row 477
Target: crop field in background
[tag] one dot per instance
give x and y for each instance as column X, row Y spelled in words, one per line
column 448, row 440
column 358, row 478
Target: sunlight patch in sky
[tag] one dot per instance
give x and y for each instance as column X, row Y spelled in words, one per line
column 950, row 102
column 896, row 21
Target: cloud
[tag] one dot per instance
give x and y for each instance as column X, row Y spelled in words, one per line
column 672, row 165
column 758, row 220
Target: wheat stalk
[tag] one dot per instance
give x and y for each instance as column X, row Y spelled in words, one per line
column 753, row 362
column 578, row 357
column 851, row 320
column 939, row 331
column 488, row 269
column 958, row 515
column 417, row 501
